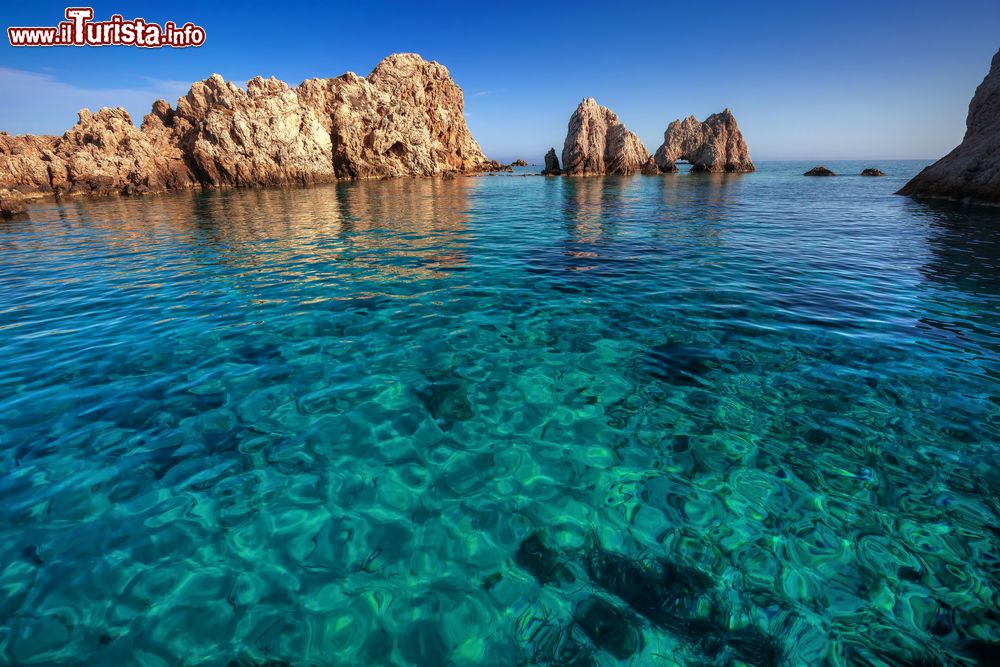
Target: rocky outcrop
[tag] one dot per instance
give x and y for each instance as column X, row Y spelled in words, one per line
column 24, row 163
column 519, row 163
column 819, row 171
column 405, row 118
column 972, row 170
column 493, row 166
column 551, row 164
column 713, row 145
column 649, row 167
column 598, row 143
column 872, row 171
column 12, row 203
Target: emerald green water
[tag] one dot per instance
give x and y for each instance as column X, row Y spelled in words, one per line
column 677, row 420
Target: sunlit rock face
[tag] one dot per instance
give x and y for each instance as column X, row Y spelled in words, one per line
column 405, row 118
column 598, row 143
column 972, row 170
column 715, row 144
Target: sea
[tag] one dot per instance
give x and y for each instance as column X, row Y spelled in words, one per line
column 688, row 419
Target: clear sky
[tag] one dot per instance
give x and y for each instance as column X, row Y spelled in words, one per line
column 807, row 80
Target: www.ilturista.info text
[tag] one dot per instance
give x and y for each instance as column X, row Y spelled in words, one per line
column 79, row 29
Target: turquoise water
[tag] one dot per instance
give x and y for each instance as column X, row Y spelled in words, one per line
column 677, row 420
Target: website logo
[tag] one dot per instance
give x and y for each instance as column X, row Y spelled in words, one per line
column 79, row 29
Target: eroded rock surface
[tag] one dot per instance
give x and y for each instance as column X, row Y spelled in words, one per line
column 972, row 170
column 598, row 143
column 713, row 145
column 405, row 118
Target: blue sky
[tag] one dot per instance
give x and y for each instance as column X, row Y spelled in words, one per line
column 806, row 80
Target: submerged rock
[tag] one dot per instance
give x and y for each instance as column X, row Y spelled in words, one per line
column 610, row 628
column 12, row 203
column 819, row 171
column 405, row 118
column 444, row 395
column 546, row 565
column 660, row 590
column 598, row 143
column 551, row 164
column 713, row 145
column 872, row 171
column 678, row 363
column 972, row 170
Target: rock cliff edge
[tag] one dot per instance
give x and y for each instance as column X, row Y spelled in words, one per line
column 971, row 171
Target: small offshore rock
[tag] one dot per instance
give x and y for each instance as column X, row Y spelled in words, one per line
column 872, row 171
column 650, row 168
column 493, row 166
column 819, row 171
column 519, row 163
column 551, row 164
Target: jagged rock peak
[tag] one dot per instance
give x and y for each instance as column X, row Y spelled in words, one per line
column 598, row 143
column 551, row 164
column 405, row 118
column 713, row 145
column 972, row 170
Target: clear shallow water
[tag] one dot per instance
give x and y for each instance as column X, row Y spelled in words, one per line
column 501, row 420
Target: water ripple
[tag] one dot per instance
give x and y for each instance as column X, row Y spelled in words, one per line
column 690, row 419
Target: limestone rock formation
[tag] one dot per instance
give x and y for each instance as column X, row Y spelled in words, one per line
column 713, row 145
column 519, row 163
column 819, row 171
column 24, row 163
column 872, row 171
column 598, row 143
column 264, row 135
column 972, row 170
column 405, row 118
column 551, row 164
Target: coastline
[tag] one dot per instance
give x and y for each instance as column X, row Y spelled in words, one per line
column 406, row 118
